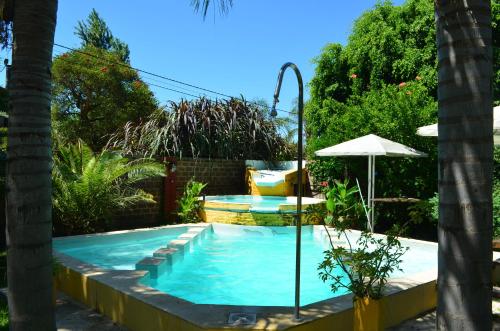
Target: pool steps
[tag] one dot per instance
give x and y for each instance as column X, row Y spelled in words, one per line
column 171, row 255
column 164, row 258
column 155, row 265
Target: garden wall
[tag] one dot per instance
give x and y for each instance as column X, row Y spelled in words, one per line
column 142, row 214
column 222, row 177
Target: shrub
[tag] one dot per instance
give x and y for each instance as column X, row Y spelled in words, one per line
column 189, row 204
column 88, row 187
column 365, row 265
column 232, row 129
column 342, row 204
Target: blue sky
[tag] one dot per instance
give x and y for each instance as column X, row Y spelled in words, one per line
column 239, row 53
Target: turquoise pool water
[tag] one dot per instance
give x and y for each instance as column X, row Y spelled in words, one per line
column 260, row 203
column 116, row 251
column 248, row 267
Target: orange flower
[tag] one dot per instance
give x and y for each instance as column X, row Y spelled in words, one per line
column 402, row 84
column 104, row 69
column 353, row 76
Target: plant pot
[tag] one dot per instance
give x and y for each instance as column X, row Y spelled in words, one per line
column 367, row 315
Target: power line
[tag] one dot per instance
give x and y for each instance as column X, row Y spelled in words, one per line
column 173, row 90
column 156, row 85
column 161, row 76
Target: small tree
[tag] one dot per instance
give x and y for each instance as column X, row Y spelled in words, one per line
column 93, row 97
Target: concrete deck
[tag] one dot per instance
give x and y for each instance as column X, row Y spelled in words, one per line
column 73, row 316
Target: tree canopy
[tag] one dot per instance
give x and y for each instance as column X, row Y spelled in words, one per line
column 95, row 32
column 383, row 81
column 93, row 95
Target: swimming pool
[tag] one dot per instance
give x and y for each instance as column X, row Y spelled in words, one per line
column 254, row 209
column 231, row 265
column 217, row 271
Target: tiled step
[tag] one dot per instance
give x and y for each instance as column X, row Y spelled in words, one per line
column 155, row 265
column 183, row 245
column 171, row 255
column 165, row 258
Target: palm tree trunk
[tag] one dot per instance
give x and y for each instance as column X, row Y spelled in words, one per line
column 29, row 214
column 465, row 152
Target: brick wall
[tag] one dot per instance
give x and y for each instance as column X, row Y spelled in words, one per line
column 142, row 214
column 222, row 176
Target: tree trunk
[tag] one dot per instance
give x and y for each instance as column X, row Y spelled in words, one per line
column 465, row 152
column 29, row 214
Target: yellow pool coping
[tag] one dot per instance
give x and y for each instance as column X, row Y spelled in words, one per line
column 119, row 295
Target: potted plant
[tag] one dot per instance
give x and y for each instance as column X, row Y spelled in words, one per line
column 365, row 266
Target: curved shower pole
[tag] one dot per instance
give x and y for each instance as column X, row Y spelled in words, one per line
column 298, row 216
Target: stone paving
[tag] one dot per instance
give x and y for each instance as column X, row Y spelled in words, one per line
column 72, row 316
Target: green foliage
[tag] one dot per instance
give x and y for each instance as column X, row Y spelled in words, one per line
column 89, row 187
column 495, row 25
column 434, row 207
column 392, row 112
column 365, row 265
column 223, row 6
column 342, row 204
column 189, row 204
column 231, row 129
column 388, row 45
column 95, row 32
column 384, row 81
column 326, row 170
column 4, row 317
column 92, row 98
column 3, row 140
column 496, row 208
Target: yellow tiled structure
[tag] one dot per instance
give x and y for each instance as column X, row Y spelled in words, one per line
column 138, row 315
column 283, row 189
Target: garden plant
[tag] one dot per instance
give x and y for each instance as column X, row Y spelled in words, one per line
column 189, row 205
column 88, row 187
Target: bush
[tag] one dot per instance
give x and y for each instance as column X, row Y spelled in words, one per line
column 365, row 265
column 232, row 129
column 190, row 204
column 88, row 187
column 343, row 205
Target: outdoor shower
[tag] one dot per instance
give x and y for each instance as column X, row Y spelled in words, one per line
column 298, row 216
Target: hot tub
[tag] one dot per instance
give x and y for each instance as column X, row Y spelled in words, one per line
column 254, row 209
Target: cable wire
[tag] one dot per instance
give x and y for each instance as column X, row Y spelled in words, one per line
column 161, row 76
